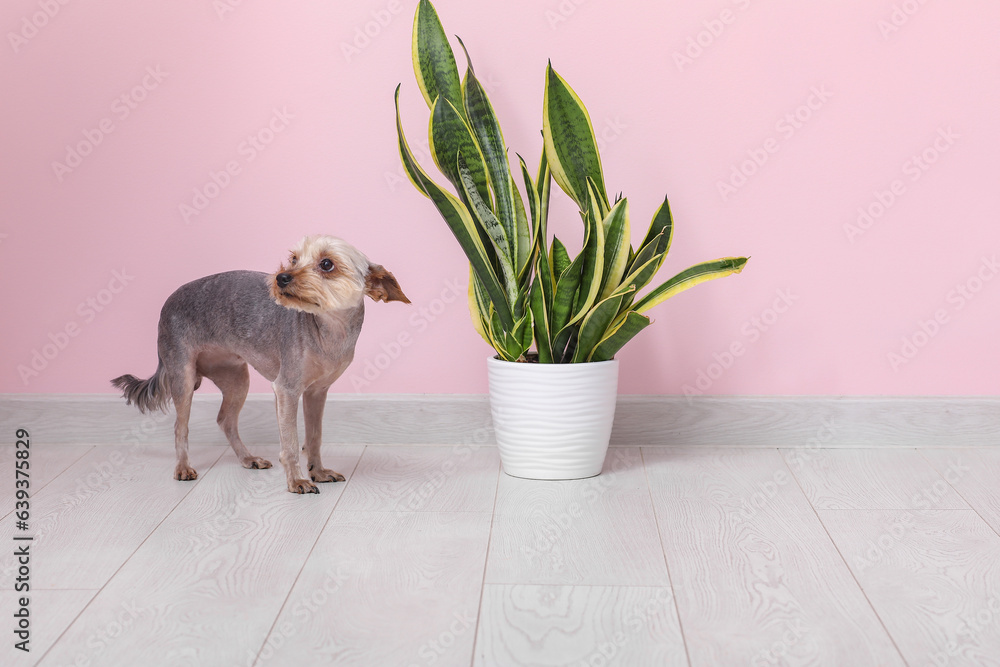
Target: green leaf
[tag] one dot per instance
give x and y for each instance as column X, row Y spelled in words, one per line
column 533, row 202
column 540, row 316
column 593, row 265
column 523, row 246
column 484, row 216
column 690, row 277
column 559, row 258
column 517, row 342
column 595, row 326
column 619, row 335
column 543, row 185
column 617, row 234
column 594, row 204
column 489, row 137
column 451, row 135
column 570, row 145
column 479, row 308
column 662, row 223
column 646, row 263
column 524, row 333
column 536, row 240
column 566, row 290
column 641, row 274
column 433, row 60
column 501, row 335
column 406, row 156
column 523, row 302
column 567, row 344
column 461, row 224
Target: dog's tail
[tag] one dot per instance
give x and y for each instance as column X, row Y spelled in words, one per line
column 147, row 395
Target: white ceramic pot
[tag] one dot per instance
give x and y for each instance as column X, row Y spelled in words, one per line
column 552, row 421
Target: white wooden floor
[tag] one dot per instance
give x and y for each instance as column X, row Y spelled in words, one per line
column 432, row 556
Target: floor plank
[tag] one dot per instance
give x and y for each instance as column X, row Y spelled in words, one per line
column 93, row 516
column 208, row 584
column 933, row 577
column 975, row 474
column 870, row 479
column 462, row 478
column 45, row 463
column 597, row 531
column 552, row 626
column 756, row 578
column 392, row 588
column 50, row 612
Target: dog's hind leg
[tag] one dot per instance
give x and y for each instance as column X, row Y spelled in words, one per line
column 183, row 380
column 232, row 377
column 313, row 402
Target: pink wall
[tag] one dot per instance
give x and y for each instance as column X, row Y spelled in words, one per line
column 820, row 308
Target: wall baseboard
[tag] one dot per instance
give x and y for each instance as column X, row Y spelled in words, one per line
column 452, row 419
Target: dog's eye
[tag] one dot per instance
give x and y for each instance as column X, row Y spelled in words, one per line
column 326, row 265
column 293, row 260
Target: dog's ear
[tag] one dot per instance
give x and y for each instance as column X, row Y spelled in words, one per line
column 381, row 285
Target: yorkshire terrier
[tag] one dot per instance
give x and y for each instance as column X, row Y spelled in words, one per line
column 297, row 327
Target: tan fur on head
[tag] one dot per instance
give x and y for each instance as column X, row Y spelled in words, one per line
column 326, row 273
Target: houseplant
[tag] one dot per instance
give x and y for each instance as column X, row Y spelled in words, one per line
column 578, row 311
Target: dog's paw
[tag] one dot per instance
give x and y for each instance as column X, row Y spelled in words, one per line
column 256, row 463
column 185, row 473
column 326, row 475
column 302, row 486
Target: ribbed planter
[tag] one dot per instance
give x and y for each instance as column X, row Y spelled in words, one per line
column 552, row 421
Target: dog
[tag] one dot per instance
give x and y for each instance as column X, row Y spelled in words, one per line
column 297, row 327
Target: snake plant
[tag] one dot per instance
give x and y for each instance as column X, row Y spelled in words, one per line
column 522, row 288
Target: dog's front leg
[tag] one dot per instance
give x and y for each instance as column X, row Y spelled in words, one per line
column 313, row 402
column 287, row 403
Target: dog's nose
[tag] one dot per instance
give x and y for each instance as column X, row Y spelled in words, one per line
column 283, row 279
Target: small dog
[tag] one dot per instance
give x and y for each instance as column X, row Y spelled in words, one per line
column 297, row 327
